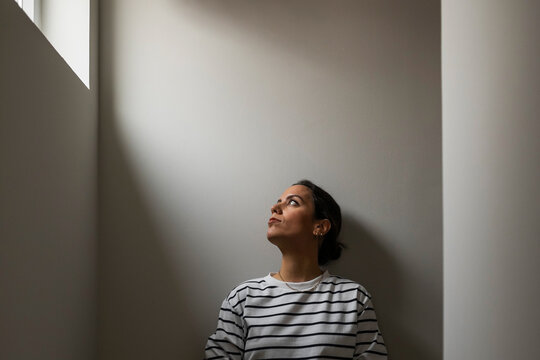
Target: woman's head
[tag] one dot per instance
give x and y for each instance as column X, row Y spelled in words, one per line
column 306, row 215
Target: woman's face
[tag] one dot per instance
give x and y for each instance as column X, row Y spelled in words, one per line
column 292, row 215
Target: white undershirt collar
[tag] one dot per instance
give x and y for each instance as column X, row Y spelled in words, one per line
column 304, row 285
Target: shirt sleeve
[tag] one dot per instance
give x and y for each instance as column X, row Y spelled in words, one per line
column 227, row 342
column 369, row 340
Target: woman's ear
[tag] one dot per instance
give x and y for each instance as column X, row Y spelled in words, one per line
column 322, row 227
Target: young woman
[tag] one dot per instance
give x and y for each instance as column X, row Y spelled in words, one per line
column 300, row 312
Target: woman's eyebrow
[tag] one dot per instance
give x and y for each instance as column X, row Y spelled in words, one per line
column 290, row 196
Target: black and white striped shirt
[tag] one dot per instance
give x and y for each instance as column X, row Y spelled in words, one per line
column 264, row 319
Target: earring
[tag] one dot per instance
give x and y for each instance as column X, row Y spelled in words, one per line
column 320, row 238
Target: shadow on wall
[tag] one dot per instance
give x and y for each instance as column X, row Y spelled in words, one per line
column 366, row 261
column 143, row 312
column 308, row 29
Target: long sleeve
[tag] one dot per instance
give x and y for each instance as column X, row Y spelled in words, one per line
column 227, row 342
column 369, row 340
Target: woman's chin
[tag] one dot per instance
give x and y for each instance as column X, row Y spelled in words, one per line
column 273, row 238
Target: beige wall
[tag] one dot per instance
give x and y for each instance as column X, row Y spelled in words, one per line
column 48, row 121
column 210, row 109
column 491, row 127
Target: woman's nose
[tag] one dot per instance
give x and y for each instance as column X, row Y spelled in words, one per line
column 276, row 208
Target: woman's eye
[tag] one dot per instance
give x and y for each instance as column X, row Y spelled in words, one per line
column 293, row 202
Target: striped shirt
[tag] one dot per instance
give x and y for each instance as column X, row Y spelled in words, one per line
column 264, row 319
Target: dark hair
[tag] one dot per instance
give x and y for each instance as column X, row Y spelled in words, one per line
column 326, row 208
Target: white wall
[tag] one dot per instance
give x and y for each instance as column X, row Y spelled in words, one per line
column 66, row 24
column 48, row 122
column 210, row 109
column 491, row 127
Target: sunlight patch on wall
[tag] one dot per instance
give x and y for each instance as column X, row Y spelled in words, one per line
column 66, row 24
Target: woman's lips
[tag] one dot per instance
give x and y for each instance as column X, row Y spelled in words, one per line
column 273, row 221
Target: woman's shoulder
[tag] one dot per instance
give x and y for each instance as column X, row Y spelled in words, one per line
column 343, row 284
column 240, row 290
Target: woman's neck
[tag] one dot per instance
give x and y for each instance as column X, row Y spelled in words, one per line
column 298, row 269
